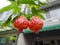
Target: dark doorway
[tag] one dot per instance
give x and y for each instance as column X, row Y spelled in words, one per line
column 38, row 43
column 58, row 42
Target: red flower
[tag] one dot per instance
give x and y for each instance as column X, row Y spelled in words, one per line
column 35, row 24
column 21, row 23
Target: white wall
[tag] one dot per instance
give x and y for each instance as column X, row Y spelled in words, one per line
column 21, row 40
column 52, row 0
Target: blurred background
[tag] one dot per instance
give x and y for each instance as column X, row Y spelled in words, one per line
column 49, row 35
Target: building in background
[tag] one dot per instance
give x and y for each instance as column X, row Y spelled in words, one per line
column 50, row 33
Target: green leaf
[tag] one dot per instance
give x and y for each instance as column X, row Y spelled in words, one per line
column 0, row 23
column 34, row 11
column 28, row 16
column 14, row 4
column 42, row 3
column 26, row 1
column 12, row 21
column 7, row 8
column 41, row 11
column 15, row 17
column 16, row 10
column 7, row 22
column 36, row 6
column 47, row 0
column 41, row 16
column 12, row 38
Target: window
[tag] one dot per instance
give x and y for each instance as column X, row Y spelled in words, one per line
column 46, row 42
column 52, row 0
column 1, row 15
column 48, row 16
column 52, row 42
column 38, row 43
column 53, row 14
column 58, row 42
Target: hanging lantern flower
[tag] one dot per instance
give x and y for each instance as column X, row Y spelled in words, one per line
column 21, row 23
column 35, row 24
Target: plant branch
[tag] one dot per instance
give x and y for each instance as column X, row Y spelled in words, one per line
column 24, row 9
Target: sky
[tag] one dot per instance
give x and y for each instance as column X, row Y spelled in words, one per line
column 4, row 3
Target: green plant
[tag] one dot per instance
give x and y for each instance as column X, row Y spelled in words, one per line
column 33, row 7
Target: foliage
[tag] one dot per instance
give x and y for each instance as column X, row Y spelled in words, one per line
column 31, row 5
